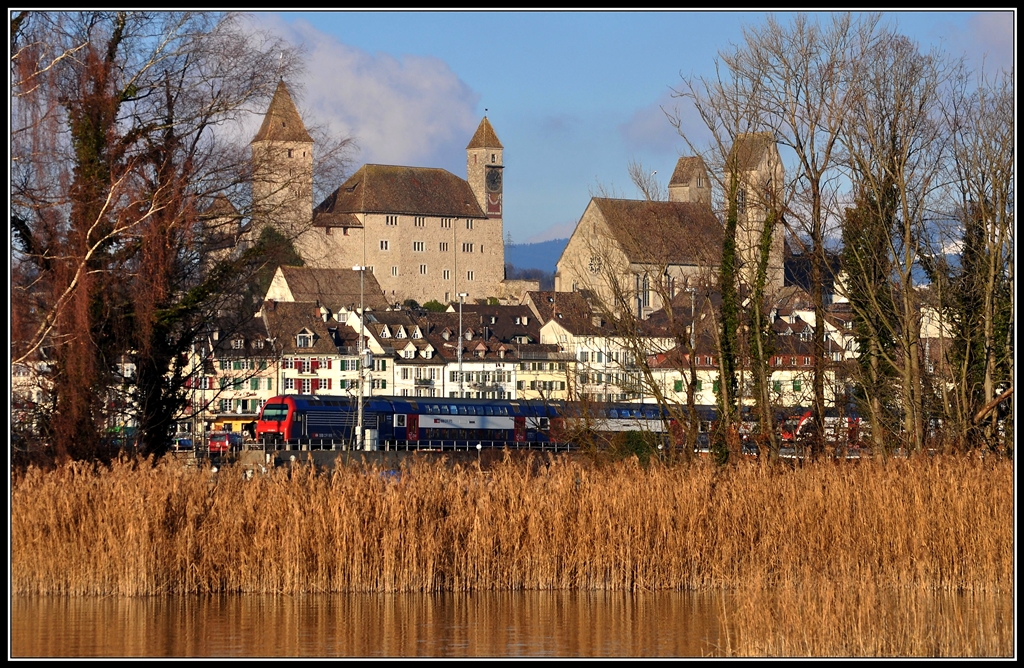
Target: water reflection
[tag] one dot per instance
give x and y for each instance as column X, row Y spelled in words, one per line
column 410, row 625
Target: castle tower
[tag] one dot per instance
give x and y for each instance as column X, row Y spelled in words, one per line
column 484, row 169
column 755, row 164
column 282, row 159
column 485, row 175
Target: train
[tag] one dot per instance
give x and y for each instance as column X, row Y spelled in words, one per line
column 444, row 423
column 451, row 422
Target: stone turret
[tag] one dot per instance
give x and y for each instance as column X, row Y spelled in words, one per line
column 282, row 157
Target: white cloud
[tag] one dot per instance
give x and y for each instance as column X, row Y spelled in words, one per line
column 406, row 110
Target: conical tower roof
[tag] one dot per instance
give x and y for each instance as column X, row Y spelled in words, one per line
column 485, row 137
column 282, row 121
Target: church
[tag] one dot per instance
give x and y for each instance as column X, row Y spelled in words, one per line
column 425, row 233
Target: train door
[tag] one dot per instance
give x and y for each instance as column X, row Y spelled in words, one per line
column 520, row 429
column 413, row 426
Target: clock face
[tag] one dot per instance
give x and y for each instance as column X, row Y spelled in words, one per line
column 595, row 264
column 493, row 180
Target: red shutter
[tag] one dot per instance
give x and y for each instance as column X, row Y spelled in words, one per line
column 315, row 385
column 328, row 362
column 328, row 381
column 314, row 364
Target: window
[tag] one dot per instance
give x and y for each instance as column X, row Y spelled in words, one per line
column 797, row 385
column 700, row 181
column 419, row 221
column 446, row 223
column 258, row 344
column 678, row 386
column 469, row 223
column 238, row 344
column 289, row 383
column 405, row 373
column 423, row 270
column 418, row 246
column 467, row 248
column 716, row 386
column 254, row 383
column 391, row 220
column 777, row 386
column 443, row 247
column 409, row 354
column 304, row 341
column 383, row 244
column 394, row 271
column 807, row 361
column 741, row 200
column 306, row 385
column 469, row 275
column 447, row 276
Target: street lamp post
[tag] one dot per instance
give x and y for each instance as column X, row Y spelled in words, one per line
column 462, row 295
column 359, row 346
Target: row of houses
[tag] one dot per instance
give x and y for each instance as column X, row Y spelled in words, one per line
column 312, row 337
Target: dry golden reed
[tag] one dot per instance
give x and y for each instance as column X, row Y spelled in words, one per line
column 934, row 524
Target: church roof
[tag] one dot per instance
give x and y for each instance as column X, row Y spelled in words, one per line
column 748, row 150
column 282, row 121
column 651, row 232
column 423, row 191
column 485, row 137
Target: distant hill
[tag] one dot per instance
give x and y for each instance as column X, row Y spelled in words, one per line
column 543, row 255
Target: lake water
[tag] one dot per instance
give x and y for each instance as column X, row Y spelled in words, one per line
column 479, row 624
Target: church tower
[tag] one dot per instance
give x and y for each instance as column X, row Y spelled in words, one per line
column 755, row 165
column 282, row 168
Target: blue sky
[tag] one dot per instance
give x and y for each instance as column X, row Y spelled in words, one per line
column 573, row 96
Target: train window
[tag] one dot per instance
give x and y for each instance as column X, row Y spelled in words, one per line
column 399, row 420
column 650, row 414
column 488, row 410
column 455, row 409
column 612, row 413
column 463, row 410
column 444, row 410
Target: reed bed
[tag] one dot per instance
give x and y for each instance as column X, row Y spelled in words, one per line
column 938, row 524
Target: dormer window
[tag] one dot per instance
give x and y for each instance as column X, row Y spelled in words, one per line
column 400, row 334
column 409, row 354
column 304, row 340
column 385, row 333
column 237, row 344
column 428, row 353
column 258, row 344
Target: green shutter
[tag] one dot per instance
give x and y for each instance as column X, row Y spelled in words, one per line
column 716, row 386
column 777, row 386
column 678, row 386
column 796, row 385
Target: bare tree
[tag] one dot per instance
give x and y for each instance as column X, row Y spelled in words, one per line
column 895, row 143
column 125, row 125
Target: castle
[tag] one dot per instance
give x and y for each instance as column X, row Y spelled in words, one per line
column 424, row 233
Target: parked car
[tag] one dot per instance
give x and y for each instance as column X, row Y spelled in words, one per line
column 224, row 441
column 182, row 444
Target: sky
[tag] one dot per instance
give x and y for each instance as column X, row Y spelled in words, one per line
column 574, row 97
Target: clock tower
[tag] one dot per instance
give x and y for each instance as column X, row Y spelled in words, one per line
column 484, row 169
